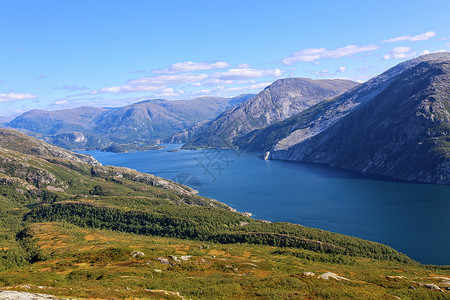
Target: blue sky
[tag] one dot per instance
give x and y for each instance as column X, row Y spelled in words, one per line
column 62, row 54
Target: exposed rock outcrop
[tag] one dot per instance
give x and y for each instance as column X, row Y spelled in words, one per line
column 13, row 295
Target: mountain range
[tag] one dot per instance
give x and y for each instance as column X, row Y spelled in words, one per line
column 145, row 122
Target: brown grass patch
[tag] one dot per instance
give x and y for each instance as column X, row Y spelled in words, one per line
column 97, row 237
column 217, row 252
column 246, row 254
column 180, row 248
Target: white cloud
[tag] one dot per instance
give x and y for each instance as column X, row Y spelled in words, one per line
column 244, row 66
column 189, row 66
column 327, row 73
column 60, row 101
column 152, row 83
column 71, row 88
column 414, row 38
column 169, row 93
column 137, row 72
column 399, row 52
column 202, row 92
column 314, row 54
column 157, row 83
column 364, row 68
column 10, row 97
column 163, row 80
column 323, row 73
column 424, row 52
column 253, row 87
column 217, row 82
column 246, row 73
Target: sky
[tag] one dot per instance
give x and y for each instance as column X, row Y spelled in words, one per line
column 63, row 54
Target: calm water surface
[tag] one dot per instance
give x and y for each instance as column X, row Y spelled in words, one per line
column 412, row 218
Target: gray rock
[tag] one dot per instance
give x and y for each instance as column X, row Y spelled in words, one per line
column 163, row 260
column 137, row 254
column 330, row 275
column 13, row 295
column 433, row 286
column 173, row 257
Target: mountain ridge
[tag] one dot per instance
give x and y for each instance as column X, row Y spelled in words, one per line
column 280, row 100
column 145, row 122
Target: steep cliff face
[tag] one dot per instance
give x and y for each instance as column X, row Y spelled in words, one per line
column 282, row 99
column 396, row 124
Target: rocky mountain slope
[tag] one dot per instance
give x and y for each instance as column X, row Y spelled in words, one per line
column 143, row 122
column 15, row 141
column 396, row 124
column 4, row 120
column 280, row 100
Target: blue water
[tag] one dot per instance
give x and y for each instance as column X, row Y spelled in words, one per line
column 412, row 218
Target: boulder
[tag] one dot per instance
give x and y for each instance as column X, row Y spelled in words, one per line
column 330, row 275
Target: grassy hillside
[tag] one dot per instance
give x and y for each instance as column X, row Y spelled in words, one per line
column 85, row 262
column 71, row 228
